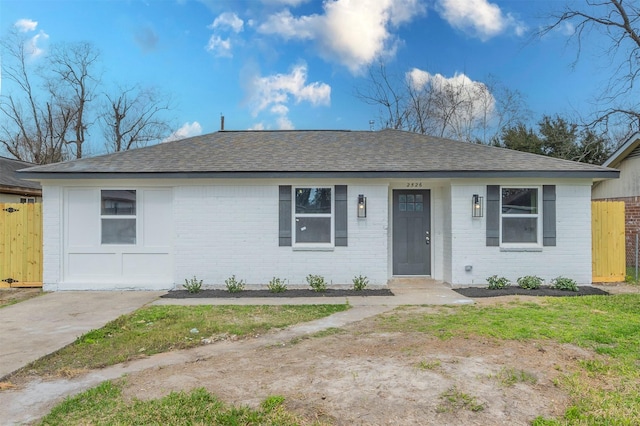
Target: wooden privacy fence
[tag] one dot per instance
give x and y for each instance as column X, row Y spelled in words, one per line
column 20, row 245
column 607, row 241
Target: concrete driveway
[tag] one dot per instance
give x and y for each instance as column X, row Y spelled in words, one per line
column 36, row 327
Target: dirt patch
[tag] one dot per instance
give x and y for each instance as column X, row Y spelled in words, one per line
column 361, row 376
column 9, row 296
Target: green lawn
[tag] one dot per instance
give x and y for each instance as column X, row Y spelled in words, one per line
column 104, row 405
column 156, row 329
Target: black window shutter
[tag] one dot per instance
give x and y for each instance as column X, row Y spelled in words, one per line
column 340, row 219
column 493, row 215
column 285, row 216
column 548, row 215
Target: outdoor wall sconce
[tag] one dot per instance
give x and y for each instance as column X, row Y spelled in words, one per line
column 476, row 206
column 362, row 206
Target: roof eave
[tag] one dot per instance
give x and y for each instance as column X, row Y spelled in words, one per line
column 564, row 174
column 623, row 151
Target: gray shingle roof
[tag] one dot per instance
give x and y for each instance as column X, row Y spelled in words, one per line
column 8, row 176
column 300, row 152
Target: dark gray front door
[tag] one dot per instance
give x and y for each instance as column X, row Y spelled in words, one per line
column 411, row 232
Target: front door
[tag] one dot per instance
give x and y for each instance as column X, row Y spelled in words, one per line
column 411, row 232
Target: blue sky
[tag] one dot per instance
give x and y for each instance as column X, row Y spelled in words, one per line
column 280, row 64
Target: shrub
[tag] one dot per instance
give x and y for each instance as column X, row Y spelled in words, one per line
column 233, row 285
column 562, row 283
column 530, row 282
column 496, row 283
column 360, row 282
column 277, row 285
column 193, row 285
column 317, row 282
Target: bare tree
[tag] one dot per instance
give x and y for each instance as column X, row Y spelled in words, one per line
column 74, row 83
column 31, row 130
column 51, row 104
column 618, row 21
column 132, row 118
column 456, row 108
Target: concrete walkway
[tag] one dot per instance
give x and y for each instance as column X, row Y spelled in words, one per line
column 37, row 327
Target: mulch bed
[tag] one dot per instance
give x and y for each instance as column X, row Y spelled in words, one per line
column 475, row 292
column 184, row 294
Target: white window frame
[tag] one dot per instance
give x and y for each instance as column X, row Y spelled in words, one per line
column 295, row 215
column 121, row 217
column 537, row 216
column 27, row 200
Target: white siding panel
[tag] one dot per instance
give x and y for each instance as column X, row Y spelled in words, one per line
column 84, row 265
column 83, row 217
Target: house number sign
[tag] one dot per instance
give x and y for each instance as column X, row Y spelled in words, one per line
column 414, row 185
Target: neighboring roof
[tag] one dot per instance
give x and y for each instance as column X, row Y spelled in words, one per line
column 318, row 153
column 627, row 149
column 9, row 180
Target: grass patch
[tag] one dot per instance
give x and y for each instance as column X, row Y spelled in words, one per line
column 454, row 400
column 604, row 391
column 428, row 365
column 509, row 376
column 156, row 329
column 105, row 404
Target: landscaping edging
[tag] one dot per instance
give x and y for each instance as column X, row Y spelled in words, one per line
column 475, row 292
column 217, row 293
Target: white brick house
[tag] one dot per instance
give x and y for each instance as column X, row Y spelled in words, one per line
column 334, row 203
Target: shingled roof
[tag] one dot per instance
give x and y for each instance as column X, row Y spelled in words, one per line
column 11, row 183
column 386, row 153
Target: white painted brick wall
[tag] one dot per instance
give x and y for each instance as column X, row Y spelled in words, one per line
column 233, row 230
column 51, row 236
column 571, row 257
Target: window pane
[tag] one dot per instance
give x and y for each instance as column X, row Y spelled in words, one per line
column 520, row 200
column 403, row 207
column 519, row 230
column 409, row 198
column 418, row 207
column 118, row 202
column 410, row 207
column 313, row 230
column 313, row 200
column 419, row 198
column 403, row 198
column 118, row 231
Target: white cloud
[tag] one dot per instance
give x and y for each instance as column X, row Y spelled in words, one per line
column 275, row 92
column 186, row 131
column 257, row 126
column 219, row 46
column 228, row 20
column 32, row 45
column 475, row 95
column 351, row 32
column 284, row 123
column 26, row 25
column 479, row 18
